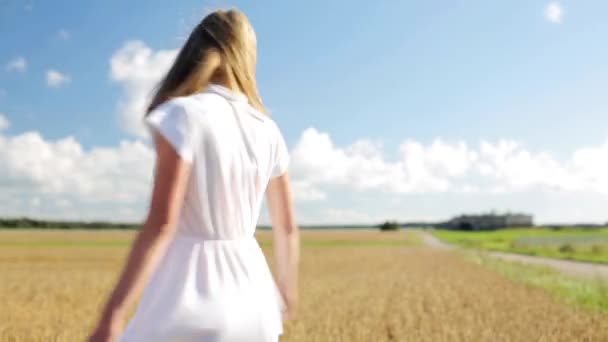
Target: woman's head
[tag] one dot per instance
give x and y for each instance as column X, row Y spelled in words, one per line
column 223, row 49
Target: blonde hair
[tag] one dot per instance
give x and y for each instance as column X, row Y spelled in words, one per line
column 222, row 46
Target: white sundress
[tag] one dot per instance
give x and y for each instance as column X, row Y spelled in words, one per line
column 213, row 283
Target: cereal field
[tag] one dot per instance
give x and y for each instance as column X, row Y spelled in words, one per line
column 355, row 286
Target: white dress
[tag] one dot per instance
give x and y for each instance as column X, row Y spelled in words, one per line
column 213, row 283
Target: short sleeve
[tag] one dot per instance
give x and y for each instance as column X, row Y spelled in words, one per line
column 171, row 121
column 281, row 156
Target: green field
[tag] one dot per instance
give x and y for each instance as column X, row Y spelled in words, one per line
column 581, row 244
column 588, row 293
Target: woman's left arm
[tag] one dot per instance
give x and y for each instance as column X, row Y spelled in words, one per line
column 170, row 181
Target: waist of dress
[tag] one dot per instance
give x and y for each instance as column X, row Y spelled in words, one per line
column 200, row 238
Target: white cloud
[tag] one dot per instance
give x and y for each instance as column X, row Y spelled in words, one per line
column 554, row 12
column 138, row 69
column 440, row 167
column 331, row 184
column 63, row 203
column 63, row 172
column 512, row 166
column 348, row 216
column 591, row 165
column 18, row 64
column 35, row 202
column 318, row 161
column 304, row 191
column 63, row 34
column 362, row 166
column 4, row 123
column 351, row 183
column 56, row 79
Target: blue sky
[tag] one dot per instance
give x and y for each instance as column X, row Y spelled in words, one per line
column 357, row 74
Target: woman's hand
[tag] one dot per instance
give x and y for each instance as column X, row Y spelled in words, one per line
column 290, row 298
column 108, row 330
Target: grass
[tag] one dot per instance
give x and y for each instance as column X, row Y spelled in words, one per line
column 587, row 293
column 590, row 245
column 354, row 286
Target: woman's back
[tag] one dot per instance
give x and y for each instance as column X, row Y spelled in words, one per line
column 234, row 151
column 213, row 283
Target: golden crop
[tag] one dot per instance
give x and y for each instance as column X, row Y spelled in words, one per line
column 355, row 286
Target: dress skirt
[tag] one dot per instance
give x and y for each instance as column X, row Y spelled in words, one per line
column 209, row 291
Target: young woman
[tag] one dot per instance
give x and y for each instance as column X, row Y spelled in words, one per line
column 202, row 273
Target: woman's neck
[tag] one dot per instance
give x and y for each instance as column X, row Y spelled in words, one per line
column 226, row 82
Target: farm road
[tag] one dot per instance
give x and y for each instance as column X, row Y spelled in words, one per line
column 574, row 268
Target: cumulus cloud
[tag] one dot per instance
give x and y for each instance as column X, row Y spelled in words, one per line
column 4, row 123
column 441, row 167
column 62, row 178
column 591, row 166
column 554, row 13
column 362, row 165
column 513, row 167
column 64, row 172
column 303, row 190
column 18, row 64
column 352, row 216
column 137, row 68
column 318, row 161
column 55, row 79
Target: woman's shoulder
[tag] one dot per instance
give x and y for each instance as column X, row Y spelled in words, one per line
column 190, row 104
column 206, row 100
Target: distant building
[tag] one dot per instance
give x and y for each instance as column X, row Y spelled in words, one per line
column 489, row 222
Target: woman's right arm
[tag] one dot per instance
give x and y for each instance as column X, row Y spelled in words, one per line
column 286, row 238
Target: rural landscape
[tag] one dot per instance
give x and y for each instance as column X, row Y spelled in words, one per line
column 446, row 163
column 356, row 284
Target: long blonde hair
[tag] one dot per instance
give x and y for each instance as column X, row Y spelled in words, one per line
column 222, row 46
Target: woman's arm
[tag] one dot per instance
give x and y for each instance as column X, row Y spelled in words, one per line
column 171, row 178
column 286, row 240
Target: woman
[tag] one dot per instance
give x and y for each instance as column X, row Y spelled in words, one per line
column 217, row 154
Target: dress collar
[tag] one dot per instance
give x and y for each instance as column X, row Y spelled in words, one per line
column 226, row 93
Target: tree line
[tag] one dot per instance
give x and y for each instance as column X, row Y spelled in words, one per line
column 24, row 222
column 29, row 223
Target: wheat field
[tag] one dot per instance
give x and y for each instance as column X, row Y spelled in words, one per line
column 355, row 286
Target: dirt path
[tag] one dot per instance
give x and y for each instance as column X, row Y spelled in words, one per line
column 575, row 268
